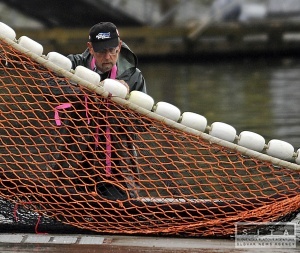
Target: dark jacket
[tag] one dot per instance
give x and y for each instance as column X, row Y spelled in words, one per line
column 127, row 67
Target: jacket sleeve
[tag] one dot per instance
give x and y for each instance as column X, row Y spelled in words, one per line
column 78, row 59
column 135, row 80
column 140, row 83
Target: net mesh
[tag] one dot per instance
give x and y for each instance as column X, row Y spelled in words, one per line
column 54, row 170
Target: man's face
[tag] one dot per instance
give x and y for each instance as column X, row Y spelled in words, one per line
column 106, row 58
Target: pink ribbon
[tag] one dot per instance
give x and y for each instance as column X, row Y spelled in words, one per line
column 93, row 63
column 108, row 149
column 108, row 146
column 86, row 108
column 56, row 109
column 113, row 75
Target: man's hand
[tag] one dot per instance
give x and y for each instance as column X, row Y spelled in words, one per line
column 125, row 84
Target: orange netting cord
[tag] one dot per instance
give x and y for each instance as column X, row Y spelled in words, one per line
column 162, row 180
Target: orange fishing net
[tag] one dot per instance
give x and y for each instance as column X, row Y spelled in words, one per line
column 54, row 166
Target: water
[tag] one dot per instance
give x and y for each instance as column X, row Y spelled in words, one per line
column 261, row 95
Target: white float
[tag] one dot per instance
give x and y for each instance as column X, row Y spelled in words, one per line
column 223, row 131
column 167, row 110
column 141, row 99
column 87, row 74
column 297, row 158
column 251, row 140
column 194, row 120
column 31, row 45
column 280, row 149
column 7, row 31
column 60, row 60
column 115, row 88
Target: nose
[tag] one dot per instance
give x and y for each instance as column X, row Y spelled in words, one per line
column 106, row 55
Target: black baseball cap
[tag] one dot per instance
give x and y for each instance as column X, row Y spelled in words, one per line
column 104, row 35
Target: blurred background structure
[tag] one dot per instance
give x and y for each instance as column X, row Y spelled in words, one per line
column 162, row 27
column 84, row 13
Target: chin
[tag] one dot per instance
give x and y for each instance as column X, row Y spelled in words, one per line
column 107, row 67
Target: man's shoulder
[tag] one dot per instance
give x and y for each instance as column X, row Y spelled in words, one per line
column 85, row 54
column 80, row 59
column 129, row 55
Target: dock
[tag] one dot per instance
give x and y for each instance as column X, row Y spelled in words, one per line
column 275, row 37
column 123, row 244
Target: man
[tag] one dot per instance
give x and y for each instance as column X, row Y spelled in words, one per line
column 107, row 53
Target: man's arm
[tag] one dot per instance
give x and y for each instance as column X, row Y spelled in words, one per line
column 79, row 59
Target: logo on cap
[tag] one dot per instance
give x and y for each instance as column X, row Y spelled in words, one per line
column 103, row 36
